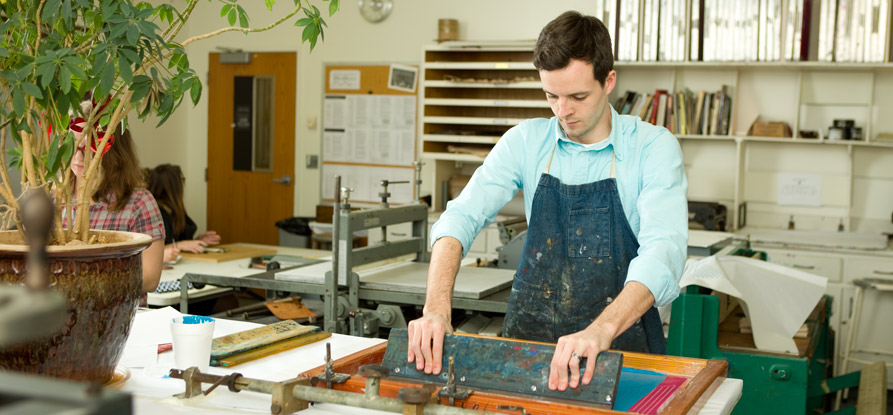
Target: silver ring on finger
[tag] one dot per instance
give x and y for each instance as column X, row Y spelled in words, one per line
column 576, row 356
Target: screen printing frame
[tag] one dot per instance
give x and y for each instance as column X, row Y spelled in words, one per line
column 704, row 376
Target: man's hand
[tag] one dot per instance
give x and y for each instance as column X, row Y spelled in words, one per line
column 425, row 337
column 571, row 349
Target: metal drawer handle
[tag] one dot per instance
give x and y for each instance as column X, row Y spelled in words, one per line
column 803, row 266
column 879, row 272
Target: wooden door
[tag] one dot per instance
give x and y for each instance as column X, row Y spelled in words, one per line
column 251, row 146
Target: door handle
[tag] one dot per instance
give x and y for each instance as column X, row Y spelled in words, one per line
column 285, row 180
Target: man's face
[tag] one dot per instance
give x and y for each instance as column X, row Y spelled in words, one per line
column 579, row 101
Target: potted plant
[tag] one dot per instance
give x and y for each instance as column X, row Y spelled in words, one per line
column 129, row 57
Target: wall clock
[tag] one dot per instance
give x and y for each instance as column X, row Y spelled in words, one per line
column 375, row 10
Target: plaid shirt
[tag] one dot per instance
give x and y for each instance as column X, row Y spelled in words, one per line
column 140, row 215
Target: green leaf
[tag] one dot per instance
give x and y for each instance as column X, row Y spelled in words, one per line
column 124, row 69
column 231, row 17
column 108, row 8
column 53, row 157
column 195, row 91
column 304, row 21
column 333, row 7
column 4, row 52
column 133, row 34
column 131, row 55
column 67, row 149
column 310, row 32
column 106, row 80
column 243, row 19
column 66, row 11
column 15, row 156
column 269, row 4
column 32, row 90
column 76, row 65
column 65, row 79
column 225, row 10
column 49, row 8
column 18, row 101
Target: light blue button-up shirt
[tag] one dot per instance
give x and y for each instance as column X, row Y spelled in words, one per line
column 650, row 179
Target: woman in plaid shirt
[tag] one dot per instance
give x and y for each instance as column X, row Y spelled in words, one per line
column 121, row 202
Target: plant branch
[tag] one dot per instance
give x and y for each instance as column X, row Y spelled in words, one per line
column 87, row 44
column 241, row 29
column 37, row 19
column 184, row 18
column 6, row 189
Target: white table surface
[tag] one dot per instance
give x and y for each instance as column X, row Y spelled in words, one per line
column 234, row 268
column 152, row 391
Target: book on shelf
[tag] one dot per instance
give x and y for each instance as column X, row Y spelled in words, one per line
column 775, row 30
column 683, row 112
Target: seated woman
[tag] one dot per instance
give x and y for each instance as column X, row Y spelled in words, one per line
column 121, row 201
column 166, row 184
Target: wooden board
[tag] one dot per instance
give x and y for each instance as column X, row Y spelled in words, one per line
column 243, row 341
column 235, row 252
column 271, row 349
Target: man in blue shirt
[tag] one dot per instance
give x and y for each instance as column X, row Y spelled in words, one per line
column 606, row 210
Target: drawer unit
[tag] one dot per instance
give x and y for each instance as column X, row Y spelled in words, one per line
column 824, row 265
column 868, row 267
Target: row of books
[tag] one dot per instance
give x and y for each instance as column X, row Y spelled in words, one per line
column 682, row 112
column 851, row 30
column 748, row 30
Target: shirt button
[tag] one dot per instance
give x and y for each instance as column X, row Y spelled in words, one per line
column 608, row 301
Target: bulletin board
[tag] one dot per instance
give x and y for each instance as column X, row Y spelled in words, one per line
column 369, row 130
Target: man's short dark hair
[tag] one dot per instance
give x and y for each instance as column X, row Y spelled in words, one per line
column 575, row 36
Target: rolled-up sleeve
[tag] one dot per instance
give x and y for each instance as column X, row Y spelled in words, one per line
column 491, row 186
column 663, row 209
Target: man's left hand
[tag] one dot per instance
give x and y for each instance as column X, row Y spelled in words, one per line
column 570, row 350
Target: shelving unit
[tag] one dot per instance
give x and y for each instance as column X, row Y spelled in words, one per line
column 736, row 170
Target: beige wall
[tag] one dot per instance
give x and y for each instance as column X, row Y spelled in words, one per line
column 349, row 39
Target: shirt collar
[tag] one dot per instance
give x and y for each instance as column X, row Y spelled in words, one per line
column 617, row 126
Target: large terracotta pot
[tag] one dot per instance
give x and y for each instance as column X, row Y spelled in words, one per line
column 102, row 284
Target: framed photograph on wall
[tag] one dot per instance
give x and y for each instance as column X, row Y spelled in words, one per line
column 403, row 78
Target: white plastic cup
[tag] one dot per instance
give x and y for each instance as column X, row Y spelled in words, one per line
column 192, row 341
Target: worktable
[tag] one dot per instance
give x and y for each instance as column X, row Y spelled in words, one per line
column 237, row 274
column 239, row 268
column 152, row 391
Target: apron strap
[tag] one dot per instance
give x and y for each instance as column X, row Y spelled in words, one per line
column 549, row 164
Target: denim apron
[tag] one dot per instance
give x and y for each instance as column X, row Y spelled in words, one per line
column 575, row 259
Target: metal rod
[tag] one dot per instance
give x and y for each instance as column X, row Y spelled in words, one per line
column 331, row 296
column 315, row 394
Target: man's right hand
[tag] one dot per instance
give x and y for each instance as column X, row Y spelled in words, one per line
column 425, row 339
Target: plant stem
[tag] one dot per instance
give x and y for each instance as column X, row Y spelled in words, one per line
column 179, row 24
column 6, row 189
column 37, row 19
column 241, row 29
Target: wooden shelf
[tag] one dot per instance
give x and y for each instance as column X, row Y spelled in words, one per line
column 465, row 139
column 452, row 157
column 498, row 85
column 470, row 66
column 473, row 121
column 511, row 103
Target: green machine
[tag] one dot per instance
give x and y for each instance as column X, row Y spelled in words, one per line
column 773, row 383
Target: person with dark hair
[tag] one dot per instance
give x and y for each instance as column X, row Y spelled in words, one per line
column 605, row 199
column 166, row 184
column 121, row 201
